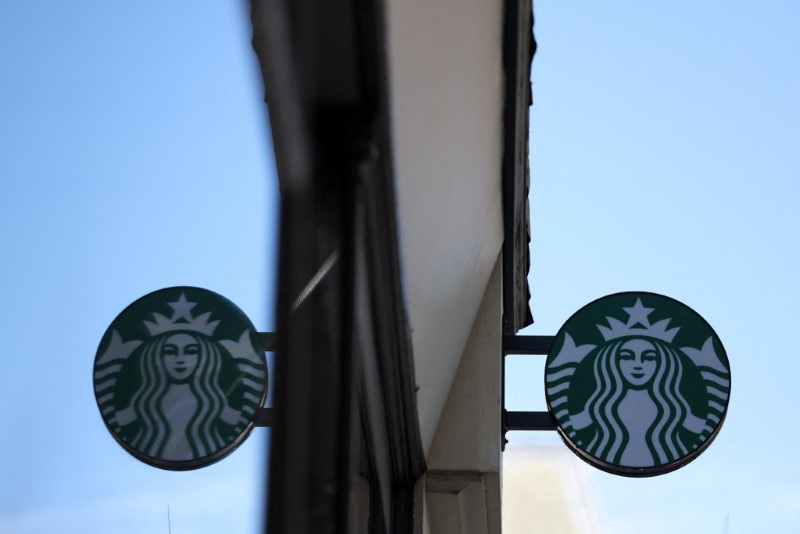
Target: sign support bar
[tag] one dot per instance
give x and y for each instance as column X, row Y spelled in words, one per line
column 536, row 345
column 263, row 417
column 529, row 421
column 268, row 341
column 533, row 345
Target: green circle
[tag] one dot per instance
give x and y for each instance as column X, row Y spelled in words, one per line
column 179, row 376
column 637, row 383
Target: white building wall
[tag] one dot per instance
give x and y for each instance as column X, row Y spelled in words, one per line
column 462, row 486
column 446, row 84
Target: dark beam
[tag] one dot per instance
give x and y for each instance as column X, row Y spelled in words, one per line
column 324, row 66
column 268, row 341
column 263, row 417
column 529, row 421
column 527, row 344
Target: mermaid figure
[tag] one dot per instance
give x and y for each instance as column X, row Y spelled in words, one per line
column 180, row 408
column 637, row 416
column 180, row 398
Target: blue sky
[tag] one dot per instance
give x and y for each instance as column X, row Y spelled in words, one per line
column 136, row 156
column 664, row 158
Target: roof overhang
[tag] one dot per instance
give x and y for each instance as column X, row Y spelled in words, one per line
column 460, row 93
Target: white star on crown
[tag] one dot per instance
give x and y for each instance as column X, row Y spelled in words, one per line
column 181, row 319
column 637, row 315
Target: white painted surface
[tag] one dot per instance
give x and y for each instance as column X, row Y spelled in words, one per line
column 463, row 481
column 460, row 503
column 468, row 436
column 446, row 83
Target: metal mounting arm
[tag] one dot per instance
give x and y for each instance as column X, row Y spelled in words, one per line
column 265, row 416
column 533, row 345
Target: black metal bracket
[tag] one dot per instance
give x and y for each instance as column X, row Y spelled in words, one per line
column 535, row 346
column 268, row 341
column 265, row 416
column 529, row 421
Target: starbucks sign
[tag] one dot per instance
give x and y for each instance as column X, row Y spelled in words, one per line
column 178, row 378
column 637, row 383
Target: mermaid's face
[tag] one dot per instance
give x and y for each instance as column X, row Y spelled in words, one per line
column 637, row 361
column 180, row 354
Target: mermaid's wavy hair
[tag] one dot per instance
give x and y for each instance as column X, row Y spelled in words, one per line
column 203, row 438
column 663, row 437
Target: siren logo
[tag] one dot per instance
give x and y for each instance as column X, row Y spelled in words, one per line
column 638, row 383
column 178, row 377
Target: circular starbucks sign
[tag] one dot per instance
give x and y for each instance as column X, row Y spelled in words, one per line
column 637, row 383
column 178, row 377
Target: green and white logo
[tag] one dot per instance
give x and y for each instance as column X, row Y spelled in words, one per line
column 178, row 377
column 638, row 383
